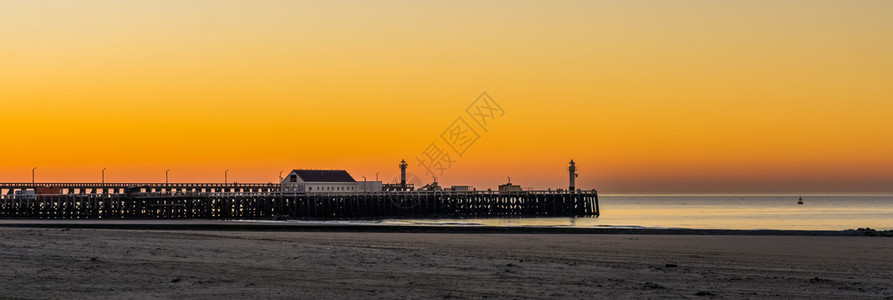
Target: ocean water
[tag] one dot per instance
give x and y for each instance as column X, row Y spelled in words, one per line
column 819, row 212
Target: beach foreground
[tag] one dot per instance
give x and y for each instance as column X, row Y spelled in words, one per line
column 104, row 263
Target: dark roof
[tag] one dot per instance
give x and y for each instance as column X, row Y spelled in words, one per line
column 324, row 175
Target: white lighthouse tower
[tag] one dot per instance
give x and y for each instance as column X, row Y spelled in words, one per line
column 573, row 174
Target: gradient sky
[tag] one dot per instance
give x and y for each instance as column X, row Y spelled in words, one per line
column 647, row 96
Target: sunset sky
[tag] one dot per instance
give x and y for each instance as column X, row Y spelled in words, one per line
column 646, row 96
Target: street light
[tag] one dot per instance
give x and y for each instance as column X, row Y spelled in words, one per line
column 280, row 175
column 32, row 175
column 103, row 176
column 226, row 177
column 376, row 175
column 165, row 175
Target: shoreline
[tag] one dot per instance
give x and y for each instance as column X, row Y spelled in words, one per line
column 251, row 226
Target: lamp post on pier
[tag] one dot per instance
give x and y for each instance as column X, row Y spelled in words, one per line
column 226, row 177
column 103, row 176
column 165, row 175
column 33, row 171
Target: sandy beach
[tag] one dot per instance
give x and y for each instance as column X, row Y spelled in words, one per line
column 103, row 263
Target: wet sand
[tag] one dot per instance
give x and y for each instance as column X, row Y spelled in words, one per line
column 109, row 263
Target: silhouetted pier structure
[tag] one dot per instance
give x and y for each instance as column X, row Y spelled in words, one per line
column 179, row 204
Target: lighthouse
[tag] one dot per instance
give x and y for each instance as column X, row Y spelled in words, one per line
column 403, row 165
column 573, row 174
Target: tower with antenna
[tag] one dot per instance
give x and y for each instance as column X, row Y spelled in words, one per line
column 573, row 174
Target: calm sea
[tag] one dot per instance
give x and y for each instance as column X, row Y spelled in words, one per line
column 819, row 212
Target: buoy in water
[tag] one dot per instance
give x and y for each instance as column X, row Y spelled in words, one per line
column 800, row 201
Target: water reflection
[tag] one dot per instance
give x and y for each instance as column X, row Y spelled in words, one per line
column 820, row 212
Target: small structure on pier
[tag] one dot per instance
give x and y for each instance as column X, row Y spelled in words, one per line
column 509, row 187
column 461, row 188
column 369, row 186
column 433, row 186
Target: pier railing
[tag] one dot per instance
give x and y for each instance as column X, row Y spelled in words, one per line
column 123, row 188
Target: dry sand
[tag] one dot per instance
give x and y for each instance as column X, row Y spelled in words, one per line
column 102, row 263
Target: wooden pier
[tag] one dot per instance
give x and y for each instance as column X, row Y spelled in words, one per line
column 267, row 206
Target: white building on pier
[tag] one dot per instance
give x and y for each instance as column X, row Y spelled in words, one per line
column 326, row 181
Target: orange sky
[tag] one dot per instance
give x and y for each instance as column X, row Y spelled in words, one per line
column 647, row 96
